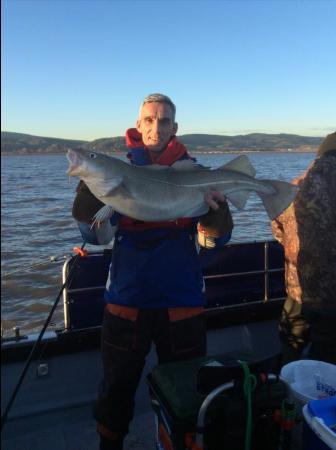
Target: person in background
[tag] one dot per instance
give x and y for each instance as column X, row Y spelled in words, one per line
column 155, row 291
column 307, row 231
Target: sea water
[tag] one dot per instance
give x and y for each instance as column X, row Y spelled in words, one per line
column 38, row 231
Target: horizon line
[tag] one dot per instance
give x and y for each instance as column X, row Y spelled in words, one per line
column 181, row 135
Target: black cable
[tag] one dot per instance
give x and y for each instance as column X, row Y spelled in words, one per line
column 37, row 342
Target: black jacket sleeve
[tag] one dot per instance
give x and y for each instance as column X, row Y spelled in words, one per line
column 85, row 204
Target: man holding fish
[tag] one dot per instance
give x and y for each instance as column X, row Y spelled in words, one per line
column 153, row 208
column 155, row 290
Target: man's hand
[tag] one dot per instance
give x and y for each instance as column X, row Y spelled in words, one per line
column 217, row 221
column 296, row 181
column 215, row 227
column 212, row 198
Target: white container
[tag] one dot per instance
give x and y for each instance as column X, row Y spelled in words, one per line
column 317, row 435
column 309, row 380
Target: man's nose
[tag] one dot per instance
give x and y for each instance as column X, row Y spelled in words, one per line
column 156, row 128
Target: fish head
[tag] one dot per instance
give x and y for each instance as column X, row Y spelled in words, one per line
column 88, row 164
column 79, row 162
column 101, row 173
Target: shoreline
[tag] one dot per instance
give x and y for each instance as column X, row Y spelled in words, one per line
column 252, row 151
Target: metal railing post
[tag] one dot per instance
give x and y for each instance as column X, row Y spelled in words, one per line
column 266, row 274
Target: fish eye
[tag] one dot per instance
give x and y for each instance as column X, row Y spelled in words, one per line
column 92, row 155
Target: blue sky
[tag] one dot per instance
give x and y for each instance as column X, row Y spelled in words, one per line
column 80, row 69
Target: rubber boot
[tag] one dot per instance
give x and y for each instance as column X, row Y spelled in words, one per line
column 109, row 444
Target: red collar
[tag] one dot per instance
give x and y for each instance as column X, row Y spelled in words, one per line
column 173, row 152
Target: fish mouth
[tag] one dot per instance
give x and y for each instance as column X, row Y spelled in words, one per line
column 75, row 161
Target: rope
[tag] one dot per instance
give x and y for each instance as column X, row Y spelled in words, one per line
column 250, row 383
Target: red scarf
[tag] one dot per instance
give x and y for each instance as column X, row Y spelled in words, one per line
column 172, row 153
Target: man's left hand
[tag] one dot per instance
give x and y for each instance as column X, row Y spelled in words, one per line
column 212, row 198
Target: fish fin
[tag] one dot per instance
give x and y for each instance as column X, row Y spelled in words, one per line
column 238, row 198
column 283, row 196
column 103, row 214
column 187, row 164
column 105, row 232
column 240, row 164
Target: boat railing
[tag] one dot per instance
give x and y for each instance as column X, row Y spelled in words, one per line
column 243, row 275
column 266, row 271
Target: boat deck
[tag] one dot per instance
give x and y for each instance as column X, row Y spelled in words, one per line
column 77, row 432
column 42, row 420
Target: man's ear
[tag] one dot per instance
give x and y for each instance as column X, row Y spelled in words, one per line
column 175, row 128
column 137, row 125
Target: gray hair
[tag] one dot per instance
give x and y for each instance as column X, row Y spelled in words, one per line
column 159, row 98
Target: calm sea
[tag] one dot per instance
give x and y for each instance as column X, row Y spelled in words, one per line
column 38, row 232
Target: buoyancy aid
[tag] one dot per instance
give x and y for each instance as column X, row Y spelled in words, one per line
column 141, row 156
column 154, row 265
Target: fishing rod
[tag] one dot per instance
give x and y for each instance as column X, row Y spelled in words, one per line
column 37, row 342
column 52, row 259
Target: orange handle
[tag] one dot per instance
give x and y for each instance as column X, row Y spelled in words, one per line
column 80, row 251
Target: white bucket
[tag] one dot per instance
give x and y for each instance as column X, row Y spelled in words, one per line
column 309, row 380
column 317, row 434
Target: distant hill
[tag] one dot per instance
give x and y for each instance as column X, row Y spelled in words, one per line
column 254, row 141
column 18, row 143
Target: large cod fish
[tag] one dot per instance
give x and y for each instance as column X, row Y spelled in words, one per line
column 160, row 193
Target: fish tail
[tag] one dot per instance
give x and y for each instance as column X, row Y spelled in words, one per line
column 279, row 200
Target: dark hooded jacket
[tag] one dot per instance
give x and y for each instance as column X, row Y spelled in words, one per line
column 307, row 230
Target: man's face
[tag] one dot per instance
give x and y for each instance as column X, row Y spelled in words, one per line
column 156, row 125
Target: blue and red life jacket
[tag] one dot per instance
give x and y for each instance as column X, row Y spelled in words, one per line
column 140, row 156
column 155, row 264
